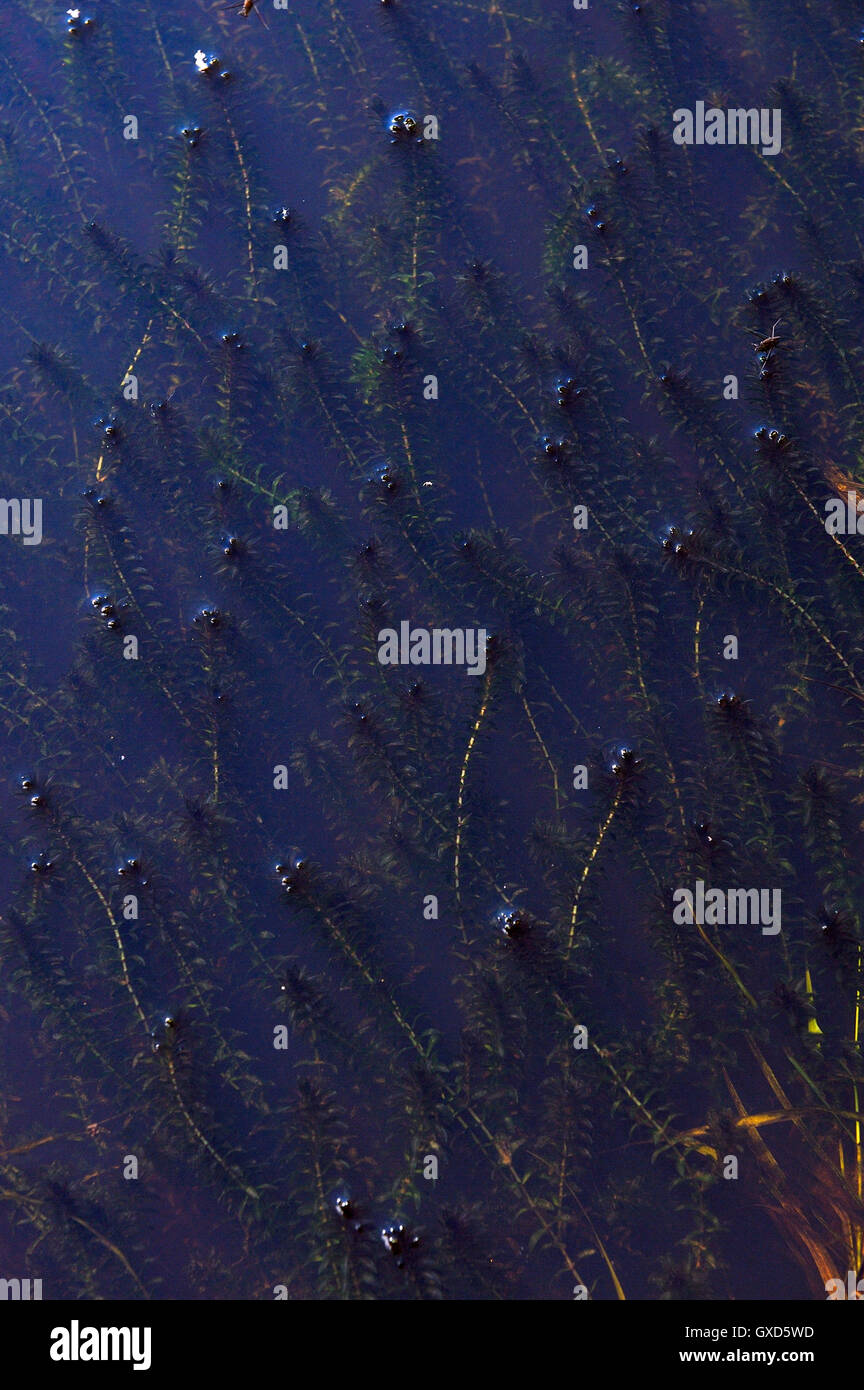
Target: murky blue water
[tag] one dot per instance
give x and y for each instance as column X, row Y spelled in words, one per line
column 370, row 315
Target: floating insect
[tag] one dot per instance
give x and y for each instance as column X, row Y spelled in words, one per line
column 766, row 346
column 246, row 9
column 771, row 341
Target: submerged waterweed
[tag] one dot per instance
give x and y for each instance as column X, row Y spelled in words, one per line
column 328, row 403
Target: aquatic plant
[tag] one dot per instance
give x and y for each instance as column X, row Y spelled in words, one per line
column 323, row 977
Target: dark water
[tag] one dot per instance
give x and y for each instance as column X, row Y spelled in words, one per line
column 296, row 945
